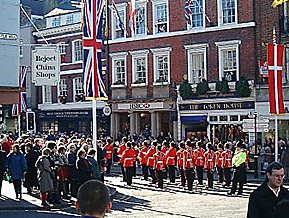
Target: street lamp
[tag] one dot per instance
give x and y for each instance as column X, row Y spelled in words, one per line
column 256, row 155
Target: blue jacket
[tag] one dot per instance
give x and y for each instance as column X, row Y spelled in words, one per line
column 16, row 164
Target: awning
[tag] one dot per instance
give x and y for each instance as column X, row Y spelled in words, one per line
column 193, row 119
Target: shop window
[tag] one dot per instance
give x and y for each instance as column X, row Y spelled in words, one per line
column 242, row 117
column 45, row 126
column 227, row 132
column 223, row 118
column 213, row 118
column 234, row 118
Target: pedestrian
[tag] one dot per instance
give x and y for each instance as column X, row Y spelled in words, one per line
column 209, row 164
column 160, row 166
column 16, row 166
column 93, row 199
column 128, row 157
column 239, row 166
column 170, row 157
column 94, row 164
column 62, row 173
column 83, row 167
column 199, row 161
column 72, row 171
column 120, row 151
column 285, row 162
column 2, row 166
column 263, row 200
column 227, row 164
column 31, row 157
column 282, row 209
column 44, row 177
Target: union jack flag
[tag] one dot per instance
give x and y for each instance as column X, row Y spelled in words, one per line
column 189, row 5
column 16, row 110
column 94, row 87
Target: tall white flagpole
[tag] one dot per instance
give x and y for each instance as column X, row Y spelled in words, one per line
column 19, row 125
column 94, row 124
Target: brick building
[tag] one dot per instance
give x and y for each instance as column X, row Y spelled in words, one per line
column 148, row 65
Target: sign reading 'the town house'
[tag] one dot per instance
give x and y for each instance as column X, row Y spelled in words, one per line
column 45, row 66
column 218, row 106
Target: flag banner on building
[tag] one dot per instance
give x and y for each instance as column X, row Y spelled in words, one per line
column 115, row 11
column 189, row 5
column 278, row 2
column 94, row 87
column 132, row 12
column 275, row 68
column 16, row 110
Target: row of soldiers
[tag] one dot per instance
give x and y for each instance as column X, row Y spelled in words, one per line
column 157, row 159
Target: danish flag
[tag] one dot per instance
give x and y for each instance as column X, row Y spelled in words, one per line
column 275, row 67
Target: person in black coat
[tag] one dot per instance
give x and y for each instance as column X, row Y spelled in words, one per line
column 83, row 167
column 264, row 199
column 31, row 173
column 72, row 171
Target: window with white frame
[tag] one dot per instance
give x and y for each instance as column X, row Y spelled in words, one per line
column 229, row 60
column 161, row 65
column 77, row 51
column 56, row 21
column 160, row 16
column 119, row 72
column 118, row 22
column 140, row 21
column 69, row 18
column 227, row 11
column 196, row 62
column 194, row 13
column 47, row 94
column 139, row 67
column 61, row 47
column 63, row 87
column 77, row 87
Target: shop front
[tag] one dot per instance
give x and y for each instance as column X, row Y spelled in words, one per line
column 143, row 118
column 221, row 118
column 71, row 121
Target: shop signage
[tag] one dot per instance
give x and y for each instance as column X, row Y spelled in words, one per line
column 45, row 66
column 106, row 110
column 141, row 106
column 218, row 106
column 64, row 114
column 8, row 36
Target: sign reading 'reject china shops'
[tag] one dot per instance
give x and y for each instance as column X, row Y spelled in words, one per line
column 45, row 66
column 218, row 106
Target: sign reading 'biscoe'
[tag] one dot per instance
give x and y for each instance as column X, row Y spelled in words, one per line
column 141, row 106
column 45, row 66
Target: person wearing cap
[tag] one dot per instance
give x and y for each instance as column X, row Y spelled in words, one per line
column 239, row 165
column 269, row 199
column 93, row 199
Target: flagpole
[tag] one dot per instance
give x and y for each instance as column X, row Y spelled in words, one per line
column 94, row 124
column 19, row 125
column 276, row 138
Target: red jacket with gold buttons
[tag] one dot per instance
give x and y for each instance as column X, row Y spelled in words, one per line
column 171, row 157
column 150, row 157
column 209, row 159
column 159, row 160
column 109, row 151
column 128, row 157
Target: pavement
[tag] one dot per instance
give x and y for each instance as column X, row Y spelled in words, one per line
column 8, row 199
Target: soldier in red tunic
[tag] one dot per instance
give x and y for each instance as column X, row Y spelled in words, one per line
column 219, row 162
column 227, row 163
column 209, row 164
column 160, row 166
column 189, row 165
column 170, row 158
column 150, row 163
column 128, row 157
column 109, row 152
column 199, row 161
column 120, row 150
column 142, row 156
column 180, row 162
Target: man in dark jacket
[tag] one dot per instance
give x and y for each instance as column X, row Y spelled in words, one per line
column 263, row 200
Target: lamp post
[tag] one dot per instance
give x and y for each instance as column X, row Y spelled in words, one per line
column 256, row 155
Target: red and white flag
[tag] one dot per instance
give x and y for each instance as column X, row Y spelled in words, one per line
column 132, row 11
column 275, row 67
